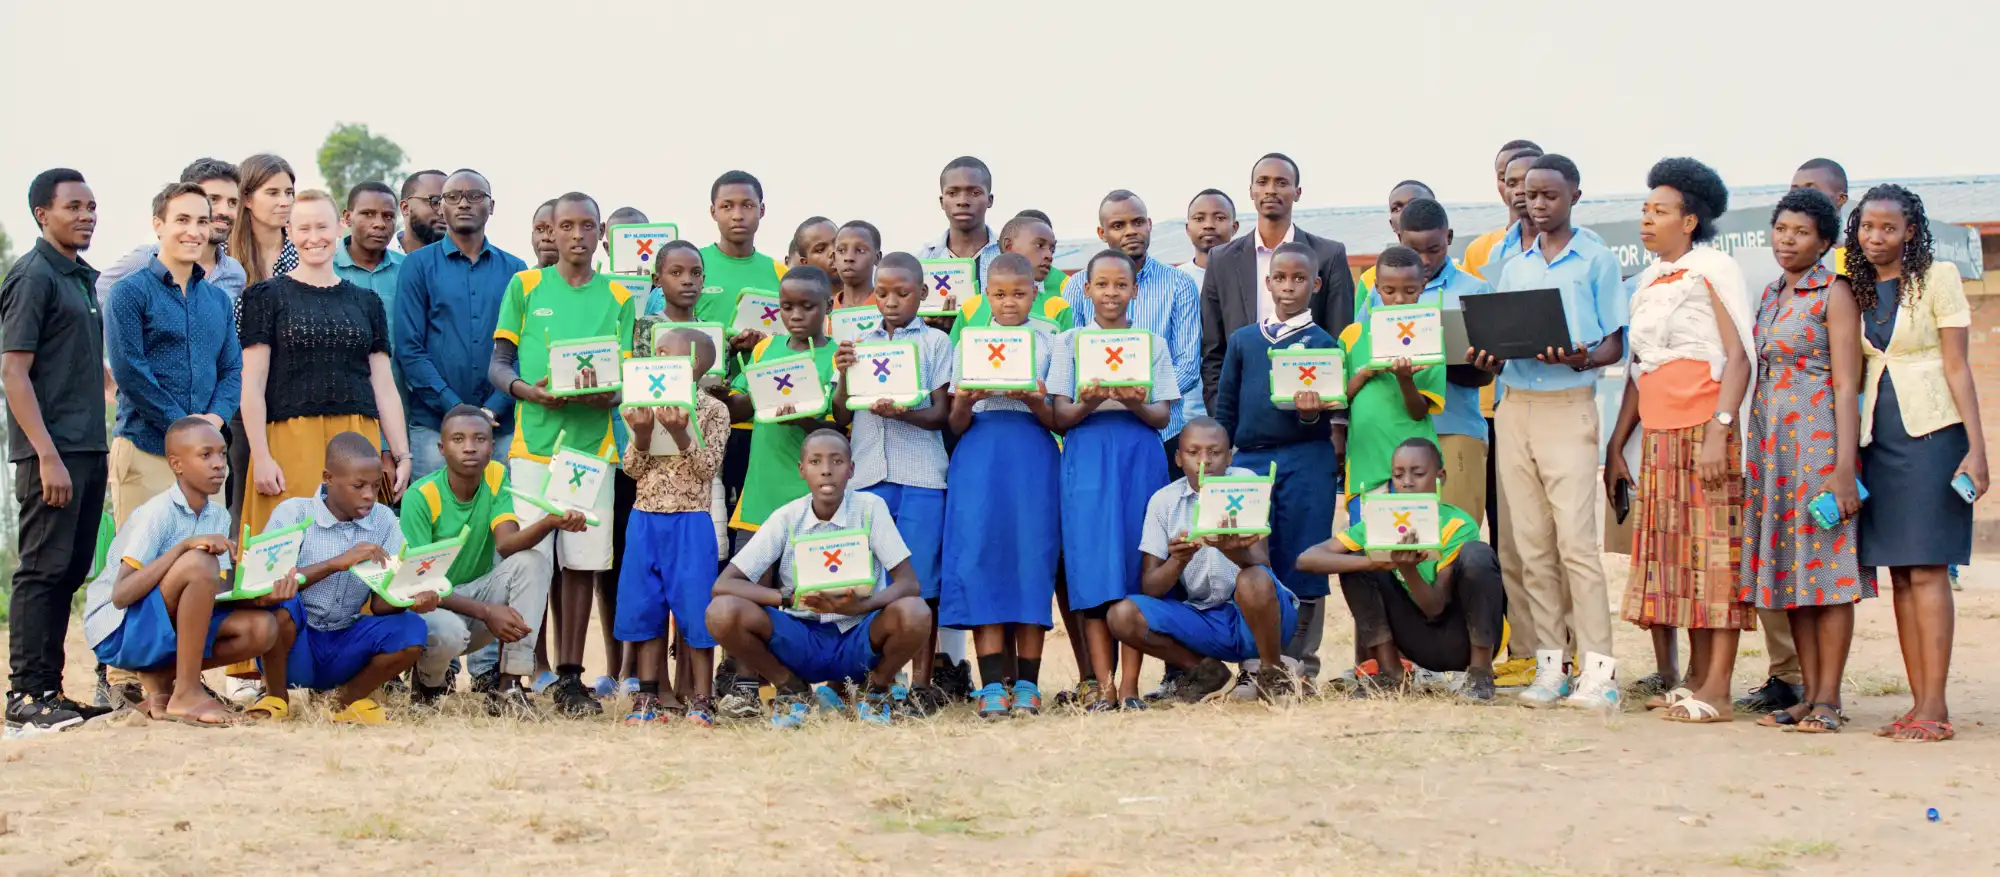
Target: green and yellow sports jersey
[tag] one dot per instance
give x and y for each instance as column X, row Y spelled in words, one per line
column 1377, row 420
column 540, row 309
column 1455, row 528
column 724, row 277
column 1049, row 305
column 431, row 512
column 773, row 478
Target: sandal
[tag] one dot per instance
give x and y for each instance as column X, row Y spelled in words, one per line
column 154, row 706
column 1926, row 730
column 273, row 709
column 210, row 713
column 1825, row 718
column 1891, row 729
column 1695, row 712
column 1668, row 700
column 1783, row 718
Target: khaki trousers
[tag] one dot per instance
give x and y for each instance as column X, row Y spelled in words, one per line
column 1550, row 497
column 1778, row 645
column 1464, row 474
column 136, row 476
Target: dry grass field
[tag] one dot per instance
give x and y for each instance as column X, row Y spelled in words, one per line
column 1417, row 786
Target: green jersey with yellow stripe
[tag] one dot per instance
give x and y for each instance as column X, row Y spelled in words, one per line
column 541, row 308
column 431, row 512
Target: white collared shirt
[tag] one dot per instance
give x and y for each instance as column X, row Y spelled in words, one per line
column 1265, row 306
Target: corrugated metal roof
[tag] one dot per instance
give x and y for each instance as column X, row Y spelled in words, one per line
column 1956, row 200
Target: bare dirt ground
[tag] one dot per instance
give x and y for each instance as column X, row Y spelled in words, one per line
column 1329, row 786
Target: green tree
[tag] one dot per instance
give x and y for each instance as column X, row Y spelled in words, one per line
column 6, row 251
column 351, row 154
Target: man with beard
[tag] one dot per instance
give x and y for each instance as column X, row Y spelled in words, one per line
column 447, row 298
column 225, row 194
column 1211, row 222
column 1166, row 304
column 52, row 372
column 423, row 216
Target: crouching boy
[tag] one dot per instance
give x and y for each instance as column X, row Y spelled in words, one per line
column 793, row 644
column 153, row 610
column 1234, row 608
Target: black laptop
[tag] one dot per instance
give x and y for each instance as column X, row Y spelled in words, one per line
column 1516, row 325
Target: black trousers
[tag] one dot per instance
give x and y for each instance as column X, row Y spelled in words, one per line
column 1384, row 612
column 57, row 546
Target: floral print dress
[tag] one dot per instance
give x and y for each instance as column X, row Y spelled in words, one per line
column 1790, row 561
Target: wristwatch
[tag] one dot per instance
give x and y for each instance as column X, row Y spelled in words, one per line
column 1725, row 418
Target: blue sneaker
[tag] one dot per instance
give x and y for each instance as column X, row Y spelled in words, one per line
column 628, row 686
column 546, row 679
column 875, row 708
column 789, row 711
column 992, row 701
column 829, row 699
column 605, row 686
column 1027, row 698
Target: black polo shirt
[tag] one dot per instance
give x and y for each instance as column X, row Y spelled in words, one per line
column 47, row 308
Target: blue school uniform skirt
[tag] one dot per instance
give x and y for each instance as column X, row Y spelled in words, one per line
column 145, row 640
column 669, row 566
column 1302, row 504
column 919, row 516
column 819, row 651
column 1112, row 463
column 1217, row 632
column 1002, row 522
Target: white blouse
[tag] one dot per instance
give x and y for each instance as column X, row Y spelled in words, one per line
column 1671, row 315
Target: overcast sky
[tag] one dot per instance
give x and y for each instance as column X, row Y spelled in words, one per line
column 849, row 110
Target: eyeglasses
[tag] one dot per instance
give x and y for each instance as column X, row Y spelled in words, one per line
column 433, row 200
column 474, row 198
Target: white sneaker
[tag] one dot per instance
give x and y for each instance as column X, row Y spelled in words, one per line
column 243, row 691
column 1597, row 685
column 1551, row 683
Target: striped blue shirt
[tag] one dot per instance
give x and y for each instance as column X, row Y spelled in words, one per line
column 334, row 602
column 893, row 451
column 1167, row 303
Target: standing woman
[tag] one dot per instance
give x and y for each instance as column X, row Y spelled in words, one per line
column 258, row 238
column 1690, row 372
column 1808, row 344
column 315, row 364
column 1919, row 431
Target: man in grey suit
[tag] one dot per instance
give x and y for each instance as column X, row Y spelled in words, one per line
column 1233, row 296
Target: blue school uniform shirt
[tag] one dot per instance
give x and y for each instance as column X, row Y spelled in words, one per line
column 158, row 524
column 334, row 602
column 1210, row 576
column 772, row 544
column 1167, row 303
column 1062, row 375
column 1593, row 297
column 1511, row 245
column 895, row 452
column 1243, row 402
column 1047, row 337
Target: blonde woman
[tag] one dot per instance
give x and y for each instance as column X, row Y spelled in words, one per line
column 315, row 364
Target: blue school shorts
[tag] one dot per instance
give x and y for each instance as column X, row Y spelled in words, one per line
column 1218, row 632
column 669, row 566
column 817, row 651
column 145, row 640
column 332, row 657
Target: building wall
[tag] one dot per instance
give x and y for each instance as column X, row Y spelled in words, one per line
column 1984, row 351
